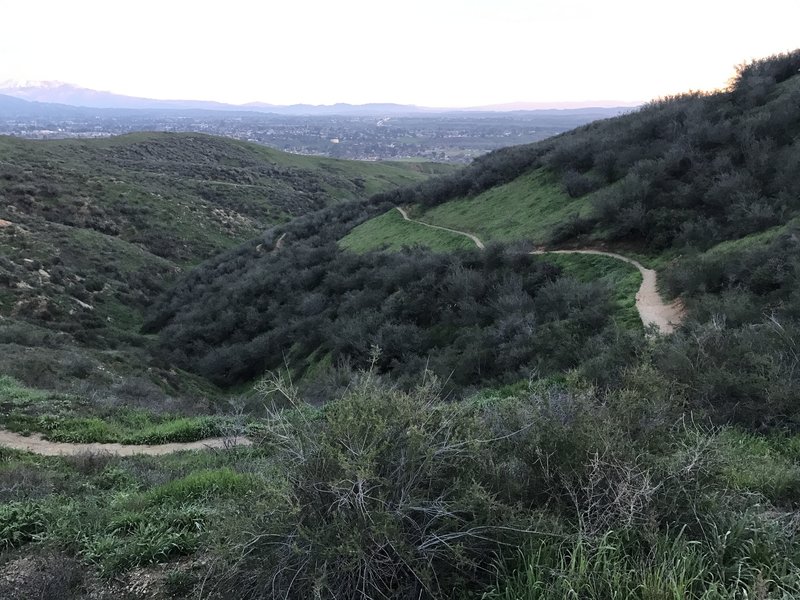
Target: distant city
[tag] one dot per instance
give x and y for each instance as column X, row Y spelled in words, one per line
column 366, row 132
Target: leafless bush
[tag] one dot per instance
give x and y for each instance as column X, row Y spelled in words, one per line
column 25, row 481
column 89, row 462
column 612, row 494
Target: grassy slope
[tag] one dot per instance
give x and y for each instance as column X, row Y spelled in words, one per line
column 527, row 208
column 391, row 231
column 71, row 418
column 762, row 238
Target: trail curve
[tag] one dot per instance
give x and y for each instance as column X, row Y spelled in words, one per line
column 38, row 445
column 651, row 307
column 474, row 238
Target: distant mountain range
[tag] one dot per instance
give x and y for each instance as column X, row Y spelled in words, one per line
column 68, row 95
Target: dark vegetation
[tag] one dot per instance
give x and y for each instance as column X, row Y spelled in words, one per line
column 111, row 222
column 739, row 353
column 250, row 311
column 92, row 231
column 490, row 429
column 473, row 318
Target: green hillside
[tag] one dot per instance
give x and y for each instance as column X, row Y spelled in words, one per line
column 529, row 208
column 667, row 182
column 123, row 215
column 392, row 232
column 93, row 230
column 427, row 419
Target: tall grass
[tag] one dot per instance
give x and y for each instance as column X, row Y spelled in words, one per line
column 747, row 560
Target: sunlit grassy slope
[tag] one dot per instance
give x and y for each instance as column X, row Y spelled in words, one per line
column 527, row 208
column 392, row 232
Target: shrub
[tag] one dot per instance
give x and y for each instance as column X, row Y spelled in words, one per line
column 382, row 500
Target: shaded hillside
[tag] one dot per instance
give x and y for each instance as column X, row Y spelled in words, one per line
column 91, row 231
column 109, row 221
column 472, row 318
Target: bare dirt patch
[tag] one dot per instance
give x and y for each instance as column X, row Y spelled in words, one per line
column 38, row 445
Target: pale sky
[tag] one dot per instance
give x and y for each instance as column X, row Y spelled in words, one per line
column 424, row 52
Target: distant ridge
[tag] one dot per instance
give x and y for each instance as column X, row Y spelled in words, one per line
column 56, row 92
column 574, row 105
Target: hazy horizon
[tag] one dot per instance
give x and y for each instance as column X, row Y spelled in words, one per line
column 453, row 54
column 8, row 86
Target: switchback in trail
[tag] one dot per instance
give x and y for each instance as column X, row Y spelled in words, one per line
column 652, row 308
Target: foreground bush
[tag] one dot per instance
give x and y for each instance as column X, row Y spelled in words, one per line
column 540, row 490
column 391, row 494
column 383, row 496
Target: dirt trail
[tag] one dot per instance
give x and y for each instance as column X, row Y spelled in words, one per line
column 474, row 238
column 38, row 445
column 652, row 309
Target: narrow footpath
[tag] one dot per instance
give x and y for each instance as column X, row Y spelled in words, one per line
column 38, row 445
column 652, row 308
column 474, row 238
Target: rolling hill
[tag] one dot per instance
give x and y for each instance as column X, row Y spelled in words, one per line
column 93, row 230
column 688, row 171
column 428, row 418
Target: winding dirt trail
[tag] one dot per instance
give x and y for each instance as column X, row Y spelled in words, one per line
column 652, row 308
column 474, row 238
column 38, row 445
